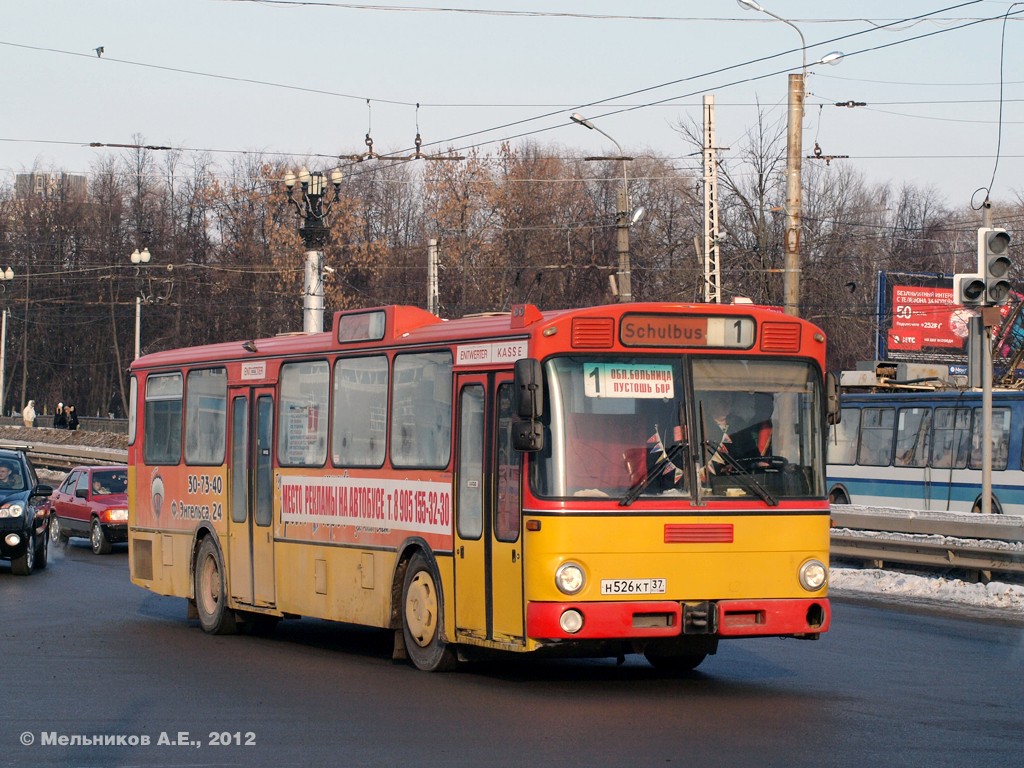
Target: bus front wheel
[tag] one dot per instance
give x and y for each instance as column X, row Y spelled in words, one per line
column 675, row 665
column 423, row 618
column 215, row 617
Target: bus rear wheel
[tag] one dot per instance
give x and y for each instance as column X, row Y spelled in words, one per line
column 423, row 618
column 215, row 617
column 997, row 508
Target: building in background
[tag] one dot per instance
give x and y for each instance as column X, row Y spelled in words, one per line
column 47, row 185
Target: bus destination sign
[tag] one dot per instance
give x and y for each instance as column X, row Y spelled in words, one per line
column 645, row 330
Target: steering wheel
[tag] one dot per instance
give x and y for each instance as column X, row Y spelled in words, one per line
column 763, row 463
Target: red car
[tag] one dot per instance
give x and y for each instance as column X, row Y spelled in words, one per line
column 92, row 502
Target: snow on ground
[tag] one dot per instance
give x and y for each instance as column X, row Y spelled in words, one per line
column 999, row 599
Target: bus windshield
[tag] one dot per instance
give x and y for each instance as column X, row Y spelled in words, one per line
column 618, row 427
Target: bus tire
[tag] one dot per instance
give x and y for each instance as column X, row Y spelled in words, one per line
column 838, row 495
column 423, row 618
column 675, row 664
column 215, row 617
column 997, row 508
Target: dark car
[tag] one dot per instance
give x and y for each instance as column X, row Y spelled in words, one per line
column 23, row 513
column 92, row 503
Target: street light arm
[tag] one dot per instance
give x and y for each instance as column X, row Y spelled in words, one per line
column 578, row 118
column 803, row 42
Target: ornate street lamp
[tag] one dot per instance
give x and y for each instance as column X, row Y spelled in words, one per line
column 313, row 209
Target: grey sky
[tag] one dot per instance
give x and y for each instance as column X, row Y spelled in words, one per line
column 288, row 77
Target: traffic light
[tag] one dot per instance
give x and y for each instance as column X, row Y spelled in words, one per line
column 994, row 265
column 969, row 289
column 990, row 285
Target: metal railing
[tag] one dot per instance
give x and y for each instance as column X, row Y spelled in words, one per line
column 64, row 457
column 993, row 543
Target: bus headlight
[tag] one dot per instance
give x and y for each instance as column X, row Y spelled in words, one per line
column 569, row 578
column 11, row 510
column 571, row 621
column 813, row 575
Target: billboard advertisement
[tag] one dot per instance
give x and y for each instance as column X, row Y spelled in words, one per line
column 919, row 321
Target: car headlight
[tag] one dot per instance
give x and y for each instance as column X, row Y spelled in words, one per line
column 117, row 515
column 12, row 510
column 569, row 578
column 813, row 575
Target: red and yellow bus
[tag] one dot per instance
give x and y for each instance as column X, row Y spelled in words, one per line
column 564, row 482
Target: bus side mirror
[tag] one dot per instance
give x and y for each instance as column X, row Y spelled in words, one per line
column 527, row 436
column 833, row 412
column 529, row 388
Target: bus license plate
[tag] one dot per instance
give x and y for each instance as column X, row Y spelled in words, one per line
column 632, row 586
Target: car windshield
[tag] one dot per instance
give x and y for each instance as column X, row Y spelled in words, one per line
column 104, row 483
column 618, row 426
column 11, row 476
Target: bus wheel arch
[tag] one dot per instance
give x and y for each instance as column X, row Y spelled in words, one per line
column 209, row 585
column 421, row 611
column 838, row 495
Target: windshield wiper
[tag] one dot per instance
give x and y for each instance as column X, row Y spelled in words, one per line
column 634, row 493
column 747, row 479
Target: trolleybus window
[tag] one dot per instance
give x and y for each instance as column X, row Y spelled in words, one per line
column 842, row 448
column 913, row 437
column 360, row 411
column 877, row 425
column 952, row 437
column 205, row 408
column 421, row 427
column 302, row 432
column 1000, row 438
column 163, row 419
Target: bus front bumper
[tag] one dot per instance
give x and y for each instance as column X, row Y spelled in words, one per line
column 666, row 618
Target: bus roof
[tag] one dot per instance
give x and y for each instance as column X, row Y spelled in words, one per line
column 399, row 325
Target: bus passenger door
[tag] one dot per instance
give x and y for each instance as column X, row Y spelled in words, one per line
column 251, row 513
column 488, row 553
column 470, row 543
column 507, row 608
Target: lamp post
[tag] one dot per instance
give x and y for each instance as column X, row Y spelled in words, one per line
column 622, row 221
column 139, row 257
column 794, row 152
column 794, row 144
column 5, row 275
column 313, row 209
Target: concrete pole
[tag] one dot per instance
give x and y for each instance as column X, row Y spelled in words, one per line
column 313, row 301
column 432, row 297
column 794, row 149
column 3, row 359
column 138, row 325
column 622, row 225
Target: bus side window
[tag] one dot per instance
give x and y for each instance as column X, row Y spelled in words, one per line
column 952, row 438
column 1000, row 438
column 876, row 436
column 842, row 441
column 913, row 437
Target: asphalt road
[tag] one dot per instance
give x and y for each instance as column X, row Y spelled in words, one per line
column 86, row 654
